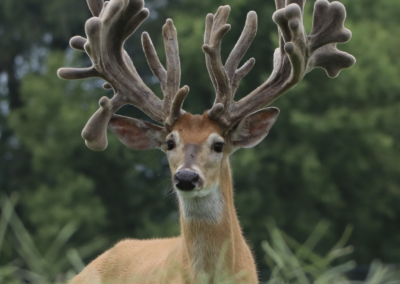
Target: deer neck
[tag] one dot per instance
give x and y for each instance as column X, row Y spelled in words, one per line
column 209, row 224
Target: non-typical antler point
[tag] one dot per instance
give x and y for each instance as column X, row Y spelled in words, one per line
column 321, row 2
column 294, row 24
column 226, row 28
column 225, row 7
column 179, row 98
column 293, row 11
column 347, row 35
column 207, row 49
column 104, row 102
column 93, row 26
column 289, row 47
column 115, row 7
column 145, row 12
column 338, row 9
column 95, row 7
column 59, row 73
column 168, row 29
column 78, row 42
column 107, row 86
column 251, row 14
column 95, row 146
column 248, row 65
column 353, row 60
column 279, row 16
column 176, row 107
column 321, row 6
column 215, row 111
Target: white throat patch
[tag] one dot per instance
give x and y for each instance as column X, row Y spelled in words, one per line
column 203, row 207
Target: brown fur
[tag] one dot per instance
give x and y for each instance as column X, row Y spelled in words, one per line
column 196, row 128
column 173, row 260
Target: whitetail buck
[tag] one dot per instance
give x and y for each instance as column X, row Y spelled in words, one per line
column 197, row 146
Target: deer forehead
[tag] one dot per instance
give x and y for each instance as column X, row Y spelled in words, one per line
column 196, row 129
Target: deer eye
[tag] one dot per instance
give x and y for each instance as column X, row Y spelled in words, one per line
column 218, row 147
column 170, row 144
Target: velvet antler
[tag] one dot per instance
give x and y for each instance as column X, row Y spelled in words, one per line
column 113, row 23
column 297, row 55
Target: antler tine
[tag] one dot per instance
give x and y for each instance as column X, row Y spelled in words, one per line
column 301, row 3
column 328, row 30
column 78, row 43
column 226, row 78
column 214, row 35
column 106, row 34
column 207, row 38
column 176, row 107
column 299, row 53
column 154, row 62
column 243, row 44
column 241, row 73
column 331, row 59
column 173, row 64
column 95, row 6
column 170, row 78
column 328, row 25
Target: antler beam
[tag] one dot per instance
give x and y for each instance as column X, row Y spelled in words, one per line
column 297, row 55
column 113, row 23
column 116, row 20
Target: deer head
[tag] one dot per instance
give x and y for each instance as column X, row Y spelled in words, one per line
column 196, row 145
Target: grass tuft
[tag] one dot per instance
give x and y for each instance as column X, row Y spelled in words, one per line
column 290, row 262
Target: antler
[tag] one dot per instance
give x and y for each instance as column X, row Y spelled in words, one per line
column 297, row 55
column 113, row 23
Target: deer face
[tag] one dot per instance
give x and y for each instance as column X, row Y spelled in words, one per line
column 195, row 146
column 195, row 149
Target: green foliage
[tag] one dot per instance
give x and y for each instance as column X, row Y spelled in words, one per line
column 290, row 262
column 56, row 264
column 333, row 153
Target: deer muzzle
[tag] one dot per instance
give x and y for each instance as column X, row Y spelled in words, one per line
column 186, row 180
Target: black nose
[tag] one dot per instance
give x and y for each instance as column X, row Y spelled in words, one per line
column 186, row 180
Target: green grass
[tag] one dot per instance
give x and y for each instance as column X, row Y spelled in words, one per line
column 290, row 262
column 55, row 265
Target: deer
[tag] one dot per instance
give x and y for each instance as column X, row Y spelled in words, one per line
column 197, row 146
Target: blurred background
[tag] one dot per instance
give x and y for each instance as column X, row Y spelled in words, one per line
column 332, row 156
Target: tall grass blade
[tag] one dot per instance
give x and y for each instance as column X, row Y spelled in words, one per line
column 75, row 260
column 305, row 250
column 7, row 209
column 62, row 238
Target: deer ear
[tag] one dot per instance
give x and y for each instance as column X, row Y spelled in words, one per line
column 254, row 127
column 137, row 134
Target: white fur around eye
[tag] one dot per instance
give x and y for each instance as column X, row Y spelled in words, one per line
column 212, row 140
column 174, row 136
